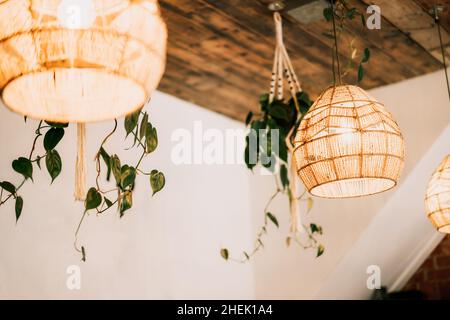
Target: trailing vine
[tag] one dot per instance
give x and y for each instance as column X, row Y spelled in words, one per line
column 283, row 117
column 338, row 14
column 98, row 199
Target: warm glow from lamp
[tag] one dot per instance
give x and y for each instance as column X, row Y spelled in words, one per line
column 348, row 145
column 344, row 134
column 80, row 60
column 437, row 199
column 76, row 14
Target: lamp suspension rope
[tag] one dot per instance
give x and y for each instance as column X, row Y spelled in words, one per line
column 438, row 24
column 336, row 48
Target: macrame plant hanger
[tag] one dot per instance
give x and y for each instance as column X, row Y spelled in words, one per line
column 283, row 70
column 80, row 165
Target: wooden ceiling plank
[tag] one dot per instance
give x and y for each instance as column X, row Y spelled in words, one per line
column 220, row 54
column 231, row 75
column 259, row 20
column 395, row 44
column 228, row 99
column 384, row 57
column 444, row 16
column 293, row 30
column 217, row 51
column 412, row 20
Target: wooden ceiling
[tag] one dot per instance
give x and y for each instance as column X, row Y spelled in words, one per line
column 220, row 51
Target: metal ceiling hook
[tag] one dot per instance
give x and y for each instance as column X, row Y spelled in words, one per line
column 277, row 5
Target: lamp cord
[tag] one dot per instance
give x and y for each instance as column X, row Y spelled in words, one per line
column 436, row 19
column 336, row 47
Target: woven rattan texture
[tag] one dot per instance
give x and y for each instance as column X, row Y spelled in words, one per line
column 348, row 145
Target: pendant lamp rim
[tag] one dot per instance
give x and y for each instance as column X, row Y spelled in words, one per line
column 445, row 229
column 392, row 185
column 438, row 212
column 123, row 51
column 437, row 197
column 348, row 145
column 62, row 119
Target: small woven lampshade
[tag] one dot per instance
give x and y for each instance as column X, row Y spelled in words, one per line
column 348, row 145
column 80, row 60
column 437, row 199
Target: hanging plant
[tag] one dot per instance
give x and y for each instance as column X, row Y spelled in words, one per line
column 98, row 199
column 273, row 118
column 340, row 13
column 279, row 119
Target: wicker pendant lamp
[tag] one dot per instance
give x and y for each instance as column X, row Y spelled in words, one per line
column 348, row 144
column 80, row 60
column 437, row 199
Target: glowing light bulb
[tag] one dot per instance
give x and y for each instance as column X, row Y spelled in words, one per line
column 346, row 135
column 76, row 14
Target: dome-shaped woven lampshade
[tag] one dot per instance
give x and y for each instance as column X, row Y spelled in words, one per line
column 437, row 199
column 80, row 60
column 348, row 145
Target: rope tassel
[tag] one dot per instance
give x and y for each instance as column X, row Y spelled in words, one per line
column 80, row 166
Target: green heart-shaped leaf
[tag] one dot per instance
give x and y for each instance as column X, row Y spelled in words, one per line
column 224, row 253
column 248, row 119
column 8, row 186
column 53, row 163
column 284, row 176
column 273, row 219
column 24, row 167
column 157, row 181
column 366, row 55
column 360, row 73
column 116, row 168
column 127, row 177
column 143, row 128
column 107, row 159
column 151, row 138
column 18, row 207
column 126, row 202
column 320, row 250
column 57, row 124
column 52, row 138
column 93, row 199
column 131, row 121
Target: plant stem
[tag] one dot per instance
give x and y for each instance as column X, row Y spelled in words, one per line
column 140, row 160
column 79, row 223
column 38, row 134
column 442, row 51
column 97, row 156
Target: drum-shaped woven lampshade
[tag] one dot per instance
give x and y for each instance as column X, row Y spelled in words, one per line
column 437, row 199
column 348, row 145
column 80, row 60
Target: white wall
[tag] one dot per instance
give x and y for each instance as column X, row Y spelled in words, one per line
column 166, row 247
column 398, row 239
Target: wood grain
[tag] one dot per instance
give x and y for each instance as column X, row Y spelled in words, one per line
column 220, row 53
